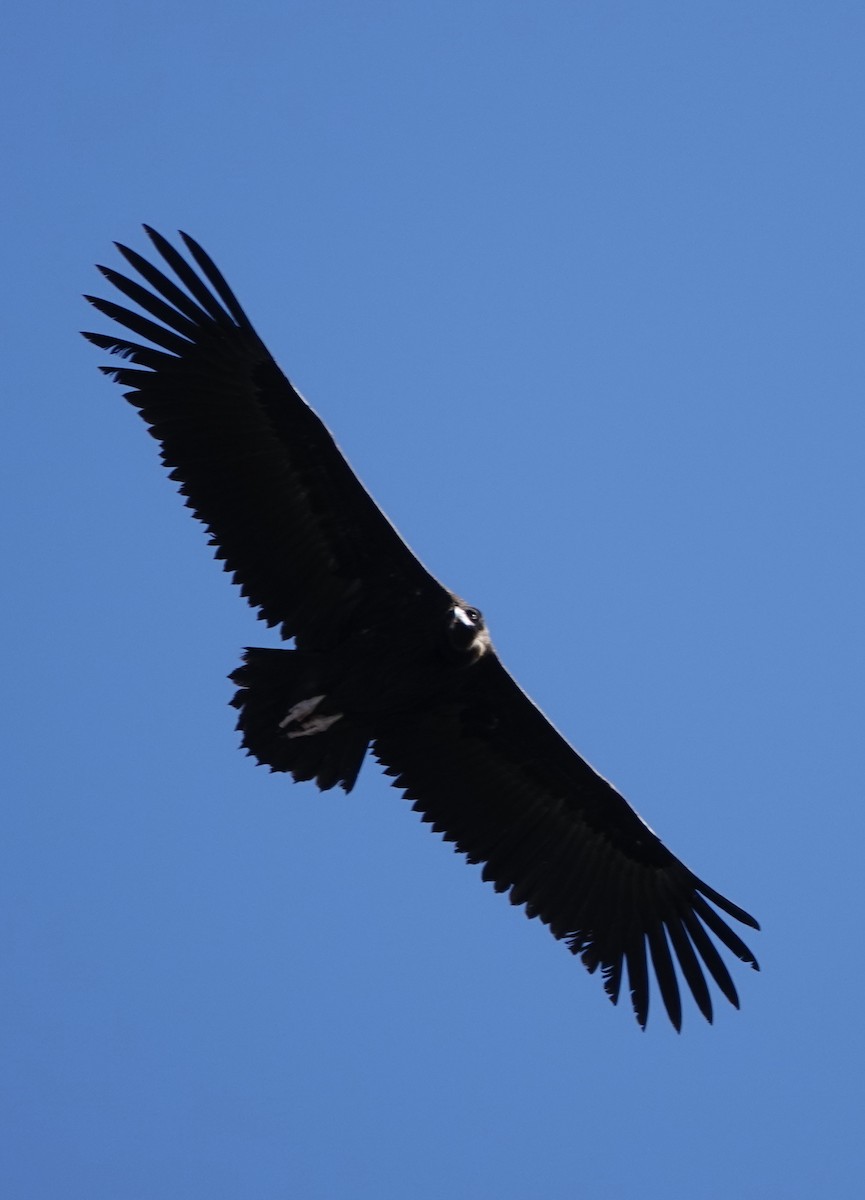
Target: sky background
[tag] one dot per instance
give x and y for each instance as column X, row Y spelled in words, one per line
column 579, row 288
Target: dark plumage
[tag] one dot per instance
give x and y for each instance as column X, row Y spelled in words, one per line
column 384, row 656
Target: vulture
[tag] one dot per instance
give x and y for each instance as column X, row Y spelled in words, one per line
column 383, row 657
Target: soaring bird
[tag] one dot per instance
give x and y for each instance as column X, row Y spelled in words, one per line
column 385, row 657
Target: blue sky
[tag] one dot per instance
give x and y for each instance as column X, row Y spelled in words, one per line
column 579, row 287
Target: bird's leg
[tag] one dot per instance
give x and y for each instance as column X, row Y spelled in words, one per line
column 315, row 725
column 301, row 714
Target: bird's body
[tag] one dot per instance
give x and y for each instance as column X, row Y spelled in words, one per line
column 399, row 662
column 386, row 657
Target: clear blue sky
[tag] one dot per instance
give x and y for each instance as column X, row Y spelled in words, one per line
column 579, row 287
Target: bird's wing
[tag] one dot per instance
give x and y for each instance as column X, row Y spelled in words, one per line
column 304, row 540
column 487, row 770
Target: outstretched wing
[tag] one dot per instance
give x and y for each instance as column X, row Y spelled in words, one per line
column 304, row 540
column 488, row 770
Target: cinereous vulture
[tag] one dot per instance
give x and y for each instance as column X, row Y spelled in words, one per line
column 386, row 657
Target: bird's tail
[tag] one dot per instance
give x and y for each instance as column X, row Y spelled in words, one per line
column 288, row 722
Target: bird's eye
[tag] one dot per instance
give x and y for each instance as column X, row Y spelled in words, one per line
column 466, row 616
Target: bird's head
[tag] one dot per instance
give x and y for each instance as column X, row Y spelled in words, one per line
column 467, row 633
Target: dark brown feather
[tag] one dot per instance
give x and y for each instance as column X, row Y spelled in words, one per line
column 293, row 523
column 514, row 795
